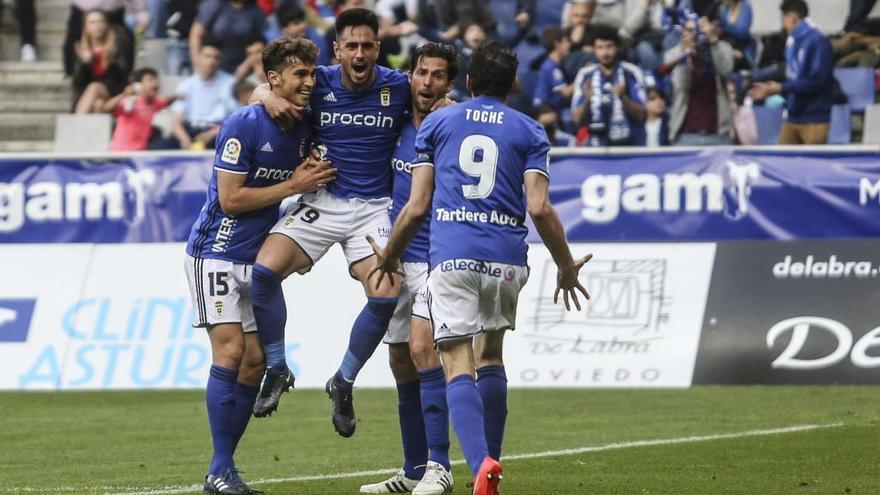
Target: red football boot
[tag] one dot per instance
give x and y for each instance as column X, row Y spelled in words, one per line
column 488, row 477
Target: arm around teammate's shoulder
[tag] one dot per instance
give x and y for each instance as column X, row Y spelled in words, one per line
column 237, row 199
column 550, row 229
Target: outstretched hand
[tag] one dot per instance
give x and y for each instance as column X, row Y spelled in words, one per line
column 567, row 282
column 384, row 266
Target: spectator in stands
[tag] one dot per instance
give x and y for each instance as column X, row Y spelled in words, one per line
column 701, row 110
column 648, row 45
column 398, row 29
column 736, row 25
column 235, row 22
column 629, row 17
column 859, row 47
column 552, row 88
column 27, row 25
column 134, row 109
column 809, row 81
column 115, row 13
column 576, row 20
column 474, row 36
column 252, row 67
column 657, row 120
column 243, row 90
column 547, row 117
column 102, row 66
column 609, row 97
column 293, row 21
column 858, row 12
column 207, row 99
column 457, row 15
column 181, row 15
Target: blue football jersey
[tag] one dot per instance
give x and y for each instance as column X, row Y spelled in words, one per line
column 358, row 129
column 401, row 165
column 251, row 144
column 480, row 151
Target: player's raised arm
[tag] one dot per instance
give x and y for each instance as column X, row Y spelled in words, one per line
column 550, row 229
column 236, row 198
column 408, row 223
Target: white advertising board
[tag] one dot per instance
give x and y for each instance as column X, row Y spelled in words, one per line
column 118, row 316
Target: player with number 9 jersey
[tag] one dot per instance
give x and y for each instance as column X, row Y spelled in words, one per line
column 480, row 150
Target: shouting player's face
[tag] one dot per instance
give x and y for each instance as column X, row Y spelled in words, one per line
column 429, row 83
column 357, row 50
column 295, row 83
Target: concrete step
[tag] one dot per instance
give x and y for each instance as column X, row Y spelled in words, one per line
column 45, row 90
column 29, row 105
column 48, row 46
column 27, row 127
column 38, row 66
column 22, row 146
column 37, row 76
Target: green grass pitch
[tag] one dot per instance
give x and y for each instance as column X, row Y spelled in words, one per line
column 706, row 440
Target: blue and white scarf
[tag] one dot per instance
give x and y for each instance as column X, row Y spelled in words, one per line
column 614, row 126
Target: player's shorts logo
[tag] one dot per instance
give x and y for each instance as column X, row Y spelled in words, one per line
column 385, row 96
column 231, row 151
column 218, row 305
column 509, row 274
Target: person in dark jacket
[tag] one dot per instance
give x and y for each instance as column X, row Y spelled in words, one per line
column 809, row 79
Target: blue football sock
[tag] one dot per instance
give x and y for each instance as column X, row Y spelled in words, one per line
column 492, row 382
column 466, row 409
column 270, row 312
column 220, row 399
column 366, row 334
column 245, row 396
column 412, row 430
column 436, row 414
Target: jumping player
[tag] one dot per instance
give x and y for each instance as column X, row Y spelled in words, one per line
column 474, row 159
column 421, row 386
column 358, row 109
column 255, row 167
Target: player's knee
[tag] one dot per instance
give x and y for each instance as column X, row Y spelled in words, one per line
column 399, row 361
column 381, row 306
column 252, row 368
column 423, row 354
column 489, row 356
column 230, row 353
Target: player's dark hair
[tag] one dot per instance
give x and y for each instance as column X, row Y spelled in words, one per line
column 281, row 52
column 798, row 7
column 290, row 12
column 607, row 33
column 551, row 36
column 493, row 70
column 212, row 41
column 357, row 17
column 138, row 74
column 432, row 49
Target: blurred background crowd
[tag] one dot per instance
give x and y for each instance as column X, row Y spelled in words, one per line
column 593, row 72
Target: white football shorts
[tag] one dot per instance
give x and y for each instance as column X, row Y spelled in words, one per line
column 318, row 220
column 412, row 303
column 468, row 297
column 220, row 292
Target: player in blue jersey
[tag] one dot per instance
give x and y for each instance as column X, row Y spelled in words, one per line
column 357, row 109
column 257, row 164
column 481, row 165
column 421, row 385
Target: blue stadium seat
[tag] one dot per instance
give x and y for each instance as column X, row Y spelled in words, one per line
column 527, row 52
column 504, row 11
column 549, row 13
column 769, row 121
column 858, row 85
column 840, row 131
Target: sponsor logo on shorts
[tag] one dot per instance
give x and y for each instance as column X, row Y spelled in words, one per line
column 509, row 274
column 480, row 267
column 231, row 151
column 384, row 232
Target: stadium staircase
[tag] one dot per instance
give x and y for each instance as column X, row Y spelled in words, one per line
column 32, row 94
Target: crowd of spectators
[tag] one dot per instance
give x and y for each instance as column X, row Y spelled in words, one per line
column 598, row 73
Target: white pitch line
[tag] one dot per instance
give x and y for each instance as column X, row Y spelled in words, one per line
column 175, row 490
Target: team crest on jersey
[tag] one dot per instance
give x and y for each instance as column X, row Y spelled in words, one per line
column 218, row 305
column 231, row 151
column 385, row 96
